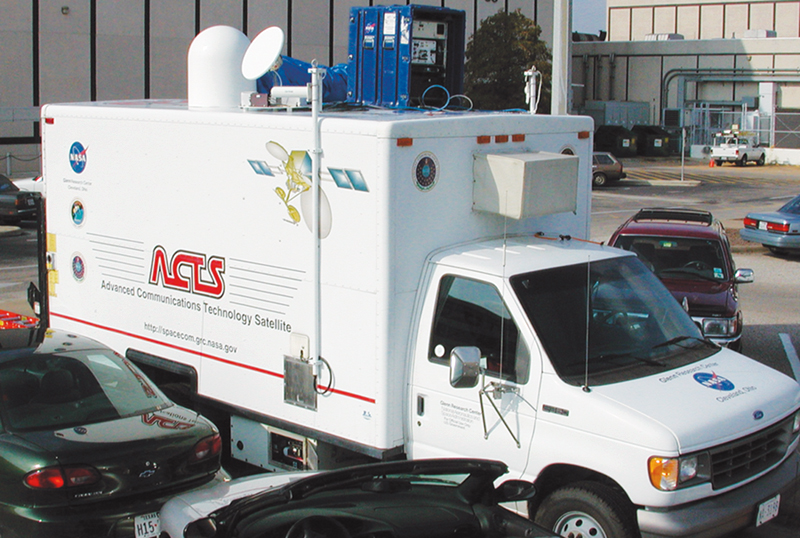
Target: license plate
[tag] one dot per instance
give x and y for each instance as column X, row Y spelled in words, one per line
column 147, row 526
column 29, row 201
column 768, row 510
column 762, row 225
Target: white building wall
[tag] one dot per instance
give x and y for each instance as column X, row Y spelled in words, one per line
column 631, row 20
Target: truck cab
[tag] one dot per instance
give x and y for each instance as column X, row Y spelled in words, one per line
column 561, row 358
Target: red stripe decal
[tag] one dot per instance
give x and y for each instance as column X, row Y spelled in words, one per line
column 205, row 355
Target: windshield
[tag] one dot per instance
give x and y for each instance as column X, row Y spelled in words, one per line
column 6, row 185
column 48, row 391
column 725, row 140
column 792, row 207
column 635, row 326
column 679, row 257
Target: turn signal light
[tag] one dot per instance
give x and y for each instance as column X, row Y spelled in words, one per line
column 58, row 477
column 207, row 448
column 781, row 228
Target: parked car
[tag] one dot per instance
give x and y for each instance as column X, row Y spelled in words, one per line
column 605, row 168
column 689, row 251
column 32, row 184
column 431, row 498
column 16, row 204
column 89, row 446
column 779, row 230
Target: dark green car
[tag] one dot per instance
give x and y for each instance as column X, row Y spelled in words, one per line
column 88, row 445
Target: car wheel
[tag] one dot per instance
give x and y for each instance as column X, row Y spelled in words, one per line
column 718, row 162
column 599, row 179
column 588, row 509
column 742, row 161
column 761, row 160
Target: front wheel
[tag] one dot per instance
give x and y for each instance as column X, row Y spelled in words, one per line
column 588, row 510
column 599, row 179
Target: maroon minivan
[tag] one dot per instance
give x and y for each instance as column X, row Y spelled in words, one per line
column 689, row 251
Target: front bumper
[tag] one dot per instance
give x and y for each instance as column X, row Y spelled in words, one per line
column 770, row 239
column 724, row 513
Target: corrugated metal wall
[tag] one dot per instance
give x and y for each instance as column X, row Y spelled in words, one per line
column 84, row 50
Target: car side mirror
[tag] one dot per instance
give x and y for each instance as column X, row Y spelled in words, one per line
column 744, row 276
column 515, row 490
column 201, row 528
column 465, row 367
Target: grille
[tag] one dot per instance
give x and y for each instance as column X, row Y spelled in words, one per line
column 741, row 459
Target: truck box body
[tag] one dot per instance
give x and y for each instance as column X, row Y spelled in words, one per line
column 461, row 311
column 174, row 240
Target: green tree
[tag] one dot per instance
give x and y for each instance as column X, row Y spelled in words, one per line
column 498, row 54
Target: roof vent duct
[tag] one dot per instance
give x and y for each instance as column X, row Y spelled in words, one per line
column 215, row 77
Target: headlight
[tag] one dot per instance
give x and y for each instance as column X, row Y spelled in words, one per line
column 669, row 474
column 720, row 326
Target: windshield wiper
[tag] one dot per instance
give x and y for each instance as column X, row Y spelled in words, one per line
column 679, row 339
column 612, row 356
column 688, row 272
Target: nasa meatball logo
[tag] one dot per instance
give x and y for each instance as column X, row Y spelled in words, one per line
column 77, row 157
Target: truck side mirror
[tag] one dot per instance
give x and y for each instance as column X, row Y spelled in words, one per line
column 465, row 367
column 744, row 276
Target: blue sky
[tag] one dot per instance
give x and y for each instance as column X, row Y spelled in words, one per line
column 588, row 16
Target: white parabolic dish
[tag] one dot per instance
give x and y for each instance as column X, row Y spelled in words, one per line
column 263, row 53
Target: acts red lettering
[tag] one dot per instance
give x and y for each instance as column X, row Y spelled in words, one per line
column 188, row 271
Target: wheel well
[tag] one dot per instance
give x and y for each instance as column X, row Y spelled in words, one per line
column 557, row 476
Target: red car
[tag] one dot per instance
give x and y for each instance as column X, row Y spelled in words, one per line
column 689, row 251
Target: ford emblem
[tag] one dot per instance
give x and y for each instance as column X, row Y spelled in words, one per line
column 758, row 415
column 147, row 474
column 80, row 430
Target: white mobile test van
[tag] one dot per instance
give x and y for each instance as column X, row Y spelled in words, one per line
column 447, row 305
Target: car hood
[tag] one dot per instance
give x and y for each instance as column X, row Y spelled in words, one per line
column 134, row 455
column 704, row 296
column 749, row 394
column 200, row 502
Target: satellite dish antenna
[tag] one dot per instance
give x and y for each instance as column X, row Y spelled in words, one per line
column 263, row 54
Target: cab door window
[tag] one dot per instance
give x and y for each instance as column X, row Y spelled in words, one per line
column 472, row 313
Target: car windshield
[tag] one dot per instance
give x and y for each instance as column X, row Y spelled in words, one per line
column 634, row 325
column 6, row 185
column 792, row 207
column 725, row 140
column 54, row 391
column 679, row 257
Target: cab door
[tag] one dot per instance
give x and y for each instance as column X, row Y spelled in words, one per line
column 496, row 418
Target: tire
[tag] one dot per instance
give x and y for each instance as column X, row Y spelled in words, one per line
column 718, row 162
column 599, row 179
column 588, row 510
column 742, row 161
column 761, row 160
